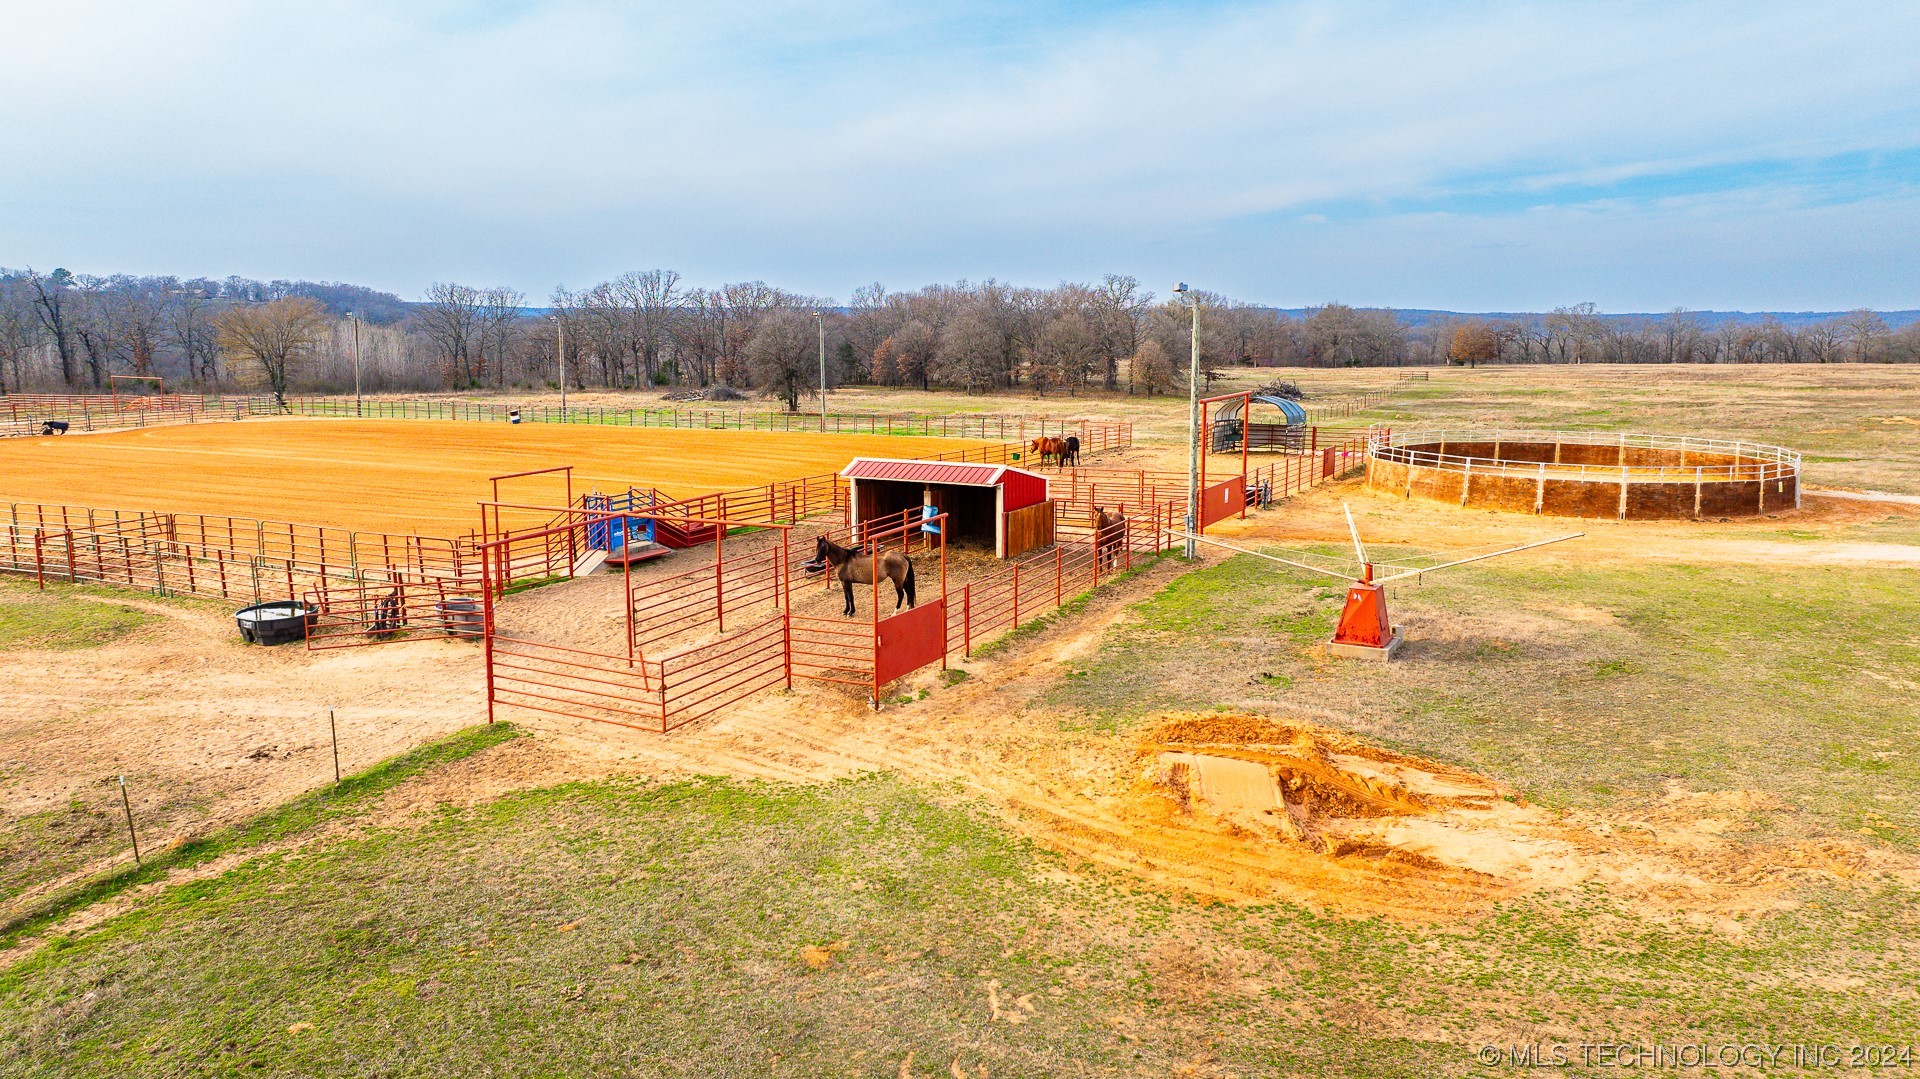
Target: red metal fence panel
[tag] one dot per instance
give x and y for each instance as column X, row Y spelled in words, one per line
column 362, row 613
column 905, row 642
column 702, row 680
column 574, row 682
column 1222, row 500
column 837, row 650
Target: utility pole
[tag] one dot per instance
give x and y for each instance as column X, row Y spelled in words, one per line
column 358, row 409
column 820, row 320
column 1193, row 422
column 560, row 334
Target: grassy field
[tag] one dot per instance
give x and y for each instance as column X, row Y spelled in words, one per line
column 65, row 618
column 1859, row 424
column 713, row 928
column 292, row 819
column 39, row 846
column 407, row 475
column 1596, row 684
column 724, row 928
column 1728, row 723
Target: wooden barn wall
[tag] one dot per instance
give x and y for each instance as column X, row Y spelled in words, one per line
column 1029, row 528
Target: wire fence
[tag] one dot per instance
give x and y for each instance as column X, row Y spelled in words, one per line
column 980, row 425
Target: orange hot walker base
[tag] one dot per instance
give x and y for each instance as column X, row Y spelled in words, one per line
column 1364, row 631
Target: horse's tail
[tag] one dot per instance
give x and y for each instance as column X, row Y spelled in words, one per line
column 909, row 583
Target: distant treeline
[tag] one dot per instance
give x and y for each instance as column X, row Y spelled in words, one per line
column 60, row 330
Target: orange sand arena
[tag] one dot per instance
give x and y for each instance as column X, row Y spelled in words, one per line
column 407, row 476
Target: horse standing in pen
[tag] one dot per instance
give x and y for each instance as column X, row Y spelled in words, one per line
column 852, row 566
column 1109, row 537
column 1060, row 449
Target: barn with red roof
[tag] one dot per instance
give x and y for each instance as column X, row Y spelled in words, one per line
column 995, row 506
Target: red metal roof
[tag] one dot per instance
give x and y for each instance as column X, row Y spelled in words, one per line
column 950, row 472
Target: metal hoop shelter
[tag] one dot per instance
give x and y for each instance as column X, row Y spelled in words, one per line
column 1232, row 425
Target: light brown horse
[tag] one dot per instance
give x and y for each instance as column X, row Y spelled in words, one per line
column 1109, row 537
column 1047, row 446
column 852, row 566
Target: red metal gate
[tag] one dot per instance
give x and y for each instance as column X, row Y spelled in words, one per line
column 1222, row 500
column 905, row 642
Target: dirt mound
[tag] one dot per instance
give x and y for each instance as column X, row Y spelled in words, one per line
column 1284, row 808
column 1295, row 780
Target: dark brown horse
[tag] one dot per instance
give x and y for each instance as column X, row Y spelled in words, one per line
column 388, row 614
column 854, row 566
column 1109, row 537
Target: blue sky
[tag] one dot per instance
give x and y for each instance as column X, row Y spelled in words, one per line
column 1474, row 156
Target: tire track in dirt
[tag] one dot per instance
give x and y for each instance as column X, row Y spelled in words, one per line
column 979, row 735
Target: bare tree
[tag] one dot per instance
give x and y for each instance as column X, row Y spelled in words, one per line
column 1150, row 368
column 19, row 334
column 1066, row 352
column 451, row 320
column 1864, row 329
column 1332, row 335
column 913, row 350
column 647, row 303
column 275, row 340
column 1118, row 306
column 781, row 354
column 743, row 307
column 496, row 324
column 970, row 350
column 139, row 307
column 51, row 294
column 189, row 330
column 96, row 324
column 886, row 363
column 1823, row 340
column 1679, row 334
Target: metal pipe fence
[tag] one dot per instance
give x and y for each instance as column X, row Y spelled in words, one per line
column 23, row 414
column 1749, row 460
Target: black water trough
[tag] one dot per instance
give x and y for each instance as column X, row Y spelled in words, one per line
column 462, row 617
column 279, row 622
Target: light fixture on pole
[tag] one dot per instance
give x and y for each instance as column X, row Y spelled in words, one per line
column 1193, row 421
column 358, row 409
column 820, row 320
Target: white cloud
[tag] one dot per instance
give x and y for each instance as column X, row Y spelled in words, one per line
column 824, row 145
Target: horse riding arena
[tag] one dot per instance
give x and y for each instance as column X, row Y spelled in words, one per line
column 391, row 530
column 408, row 476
